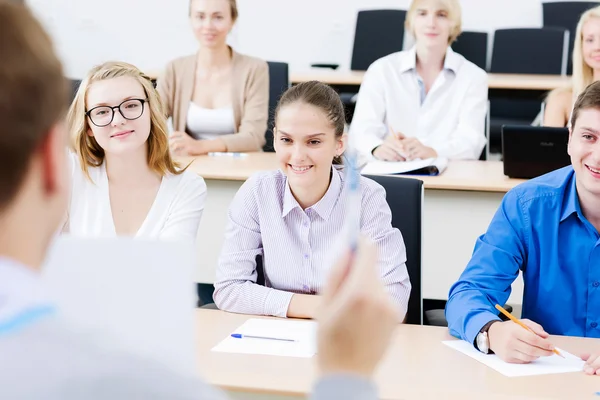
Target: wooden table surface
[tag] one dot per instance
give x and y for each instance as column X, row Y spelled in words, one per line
column 495, row 81
column 483, row 176
column 417, row 366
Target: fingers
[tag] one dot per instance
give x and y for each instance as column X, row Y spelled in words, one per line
column 535, row 327
column 385, row 153
column 532, row 352
column 535, row 345
column 592, row 364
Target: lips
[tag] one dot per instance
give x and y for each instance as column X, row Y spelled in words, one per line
column 300, row 168
column 121, row 134
column 594, row 170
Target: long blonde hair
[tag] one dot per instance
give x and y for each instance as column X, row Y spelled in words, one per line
column 583, row 74
column 87, row 148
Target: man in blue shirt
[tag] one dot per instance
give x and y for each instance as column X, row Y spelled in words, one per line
column 547, row 228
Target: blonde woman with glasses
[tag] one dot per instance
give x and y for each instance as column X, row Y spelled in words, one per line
column 124, row 180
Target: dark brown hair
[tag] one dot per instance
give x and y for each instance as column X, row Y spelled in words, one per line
column 319, row 95
column 232, row 6
column 34, row 93
column 589, row 98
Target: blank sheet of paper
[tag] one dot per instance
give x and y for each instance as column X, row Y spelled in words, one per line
column 132, row 294
column 542, row 366
column 303, row 332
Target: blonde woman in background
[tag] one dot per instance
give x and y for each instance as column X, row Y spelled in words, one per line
column 124, row 180
column 433, row 99
column 218, row 98
column 586, row 69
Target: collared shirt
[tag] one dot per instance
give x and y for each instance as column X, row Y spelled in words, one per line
column 299, row 246
column 450, row 118
column 540, row 230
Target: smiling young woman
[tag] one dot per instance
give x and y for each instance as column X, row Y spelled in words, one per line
column 293, row 217
column 218, row 98
column 124, row 179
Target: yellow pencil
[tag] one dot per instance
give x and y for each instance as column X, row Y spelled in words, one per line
column 513, row 319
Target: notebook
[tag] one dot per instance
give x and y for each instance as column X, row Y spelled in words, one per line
column 429, row 166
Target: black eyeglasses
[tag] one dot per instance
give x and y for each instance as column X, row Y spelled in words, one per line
column 103, row 115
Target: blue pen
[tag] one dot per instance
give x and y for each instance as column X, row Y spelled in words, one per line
column 241, row 336
column 354, row 201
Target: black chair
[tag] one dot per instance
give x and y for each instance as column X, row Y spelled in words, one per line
column 279, row 82
column 378, row 34
column 405, row 198
column 523, row 51
column 565, row 14
column 474, row 47
column 74, row 87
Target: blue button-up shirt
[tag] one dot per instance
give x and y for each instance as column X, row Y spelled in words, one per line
column 540, row 230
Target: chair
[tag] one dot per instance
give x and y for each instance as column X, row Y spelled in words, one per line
column 565, row 14
column 473, row 46
column 74, row 87
column 523, row 51
column 405, row 198
column 378, row 34
column 279, row 82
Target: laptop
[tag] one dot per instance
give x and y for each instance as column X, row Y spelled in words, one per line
column 531, row 151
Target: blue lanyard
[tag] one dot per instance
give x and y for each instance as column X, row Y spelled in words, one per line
column 24, row 318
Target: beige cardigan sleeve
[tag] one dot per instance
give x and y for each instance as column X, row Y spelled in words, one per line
column 166, row 89
column 254, row 113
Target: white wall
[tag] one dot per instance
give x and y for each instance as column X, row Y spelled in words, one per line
column 149, row 33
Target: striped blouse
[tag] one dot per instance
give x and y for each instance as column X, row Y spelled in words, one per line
column 298, row 246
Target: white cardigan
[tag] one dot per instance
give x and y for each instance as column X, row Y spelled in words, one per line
column 174, row 215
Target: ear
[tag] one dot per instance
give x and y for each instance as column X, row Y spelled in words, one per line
column 341, row 144
column 90, row 132
column 275, row 141
column 53, row 154
column 570, row 139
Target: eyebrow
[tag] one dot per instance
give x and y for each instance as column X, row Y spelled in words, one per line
column 125, row 99
column 308, row 136
column 590, row 130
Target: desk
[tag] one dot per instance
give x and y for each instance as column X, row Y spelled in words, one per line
column 495, row 81
column 417, row 366
column 458, row 207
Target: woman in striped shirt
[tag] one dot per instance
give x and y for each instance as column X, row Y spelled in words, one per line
column 293, row 217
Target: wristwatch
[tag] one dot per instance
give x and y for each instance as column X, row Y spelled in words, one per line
column 482, row 341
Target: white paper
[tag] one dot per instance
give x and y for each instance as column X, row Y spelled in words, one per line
column 304, row 332
column 135, row 295
column 553, row 364
column 378, row 167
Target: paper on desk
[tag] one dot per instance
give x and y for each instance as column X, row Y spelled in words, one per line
column 304, row 332
column 377, row 167
column 542, row 366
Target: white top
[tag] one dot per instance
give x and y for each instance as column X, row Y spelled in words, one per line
column 175, row 213
column 450, row 118
column 209, row 123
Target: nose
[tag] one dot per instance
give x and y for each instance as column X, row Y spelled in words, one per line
column 118, row 118
column 298, row 152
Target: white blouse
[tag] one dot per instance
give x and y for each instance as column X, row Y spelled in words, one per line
column 209, row 123
column 174, row 215
column 450, row 118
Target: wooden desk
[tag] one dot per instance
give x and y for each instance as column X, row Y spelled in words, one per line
column 481, row 176
column 417, row 366
column 458, row 207
column 495, row 81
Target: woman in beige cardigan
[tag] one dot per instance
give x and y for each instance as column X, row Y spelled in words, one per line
column 218, row 99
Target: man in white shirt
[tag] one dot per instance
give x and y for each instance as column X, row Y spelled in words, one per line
column 425, row 102
column 40, row 358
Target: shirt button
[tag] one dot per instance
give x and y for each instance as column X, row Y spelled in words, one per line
column 306, row 256
column 594, row 324
column 596, row 284
column 306, row 224
column 305, row 288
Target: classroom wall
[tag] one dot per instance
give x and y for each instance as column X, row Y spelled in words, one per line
column 148, row 33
